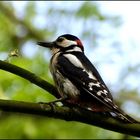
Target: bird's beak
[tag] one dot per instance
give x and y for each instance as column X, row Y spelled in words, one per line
column 46, row 44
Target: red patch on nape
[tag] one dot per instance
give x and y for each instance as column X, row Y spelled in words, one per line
column 79, row 43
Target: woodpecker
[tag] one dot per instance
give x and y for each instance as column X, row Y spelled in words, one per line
column 77, row 80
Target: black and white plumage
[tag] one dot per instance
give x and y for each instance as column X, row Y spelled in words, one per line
column 78, row 80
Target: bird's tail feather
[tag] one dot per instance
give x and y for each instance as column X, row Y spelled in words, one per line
column 120, row 115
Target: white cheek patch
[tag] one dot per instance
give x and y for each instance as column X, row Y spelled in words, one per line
column 66, row 43
column 76, row 49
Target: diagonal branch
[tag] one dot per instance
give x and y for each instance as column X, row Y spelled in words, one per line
column 64, row 112
column 29, row 76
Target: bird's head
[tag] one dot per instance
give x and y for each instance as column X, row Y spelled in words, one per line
column 64, row 43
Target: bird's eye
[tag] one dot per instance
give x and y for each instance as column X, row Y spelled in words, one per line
column 60, row 39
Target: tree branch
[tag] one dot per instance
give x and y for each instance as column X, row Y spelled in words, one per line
column 29, row 76
column 70, row 114
column 64, row 112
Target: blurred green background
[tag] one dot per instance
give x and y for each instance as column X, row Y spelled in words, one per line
column 22, row 24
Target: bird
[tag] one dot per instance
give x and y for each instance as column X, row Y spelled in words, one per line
column 77, row 80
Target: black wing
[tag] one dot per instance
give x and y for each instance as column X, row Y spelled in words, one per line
column 79, row 76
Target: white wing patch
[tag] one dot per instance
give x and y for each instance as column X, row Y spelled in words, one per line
column 91, row 76
column 93, row 84
column 105, row 92
column 74, row 60
column 108, row 100
column 99, row 93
